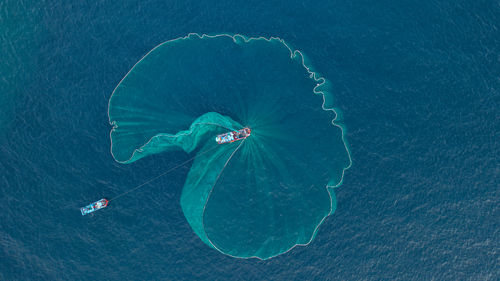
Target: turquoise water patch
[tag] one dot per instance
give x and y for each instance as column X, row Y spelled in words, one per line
column 257, row 197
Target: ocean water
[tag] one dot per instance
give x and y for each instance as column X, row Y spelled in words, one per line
column 418, row 86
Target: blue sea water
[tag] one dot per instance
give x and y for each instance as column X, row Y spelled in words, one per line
column 418, row 85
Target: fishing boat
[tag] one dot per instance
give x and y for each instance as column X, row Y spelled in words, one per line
column 233, row 136
column 94, row 207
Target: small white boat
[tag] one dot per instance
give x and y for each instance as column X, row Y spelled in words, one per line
column 233, row 136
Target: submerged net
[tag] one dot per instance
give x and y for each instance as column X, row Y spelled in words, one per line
column 257, row 197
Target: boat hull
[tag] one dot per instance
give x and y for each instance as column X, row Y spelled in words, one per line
column 103, row 203
column 233, row 136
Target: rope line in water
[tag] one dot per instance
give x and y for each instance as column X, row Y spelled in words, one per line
column 161, row 175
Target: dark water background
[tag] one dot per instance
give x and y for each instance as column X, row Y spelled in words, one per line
column 418, row 82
